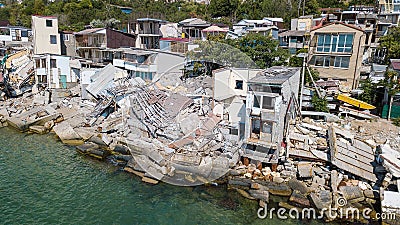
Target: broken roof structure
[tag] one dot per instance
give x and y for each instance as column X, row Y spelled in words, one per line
column 104, row 79
column 274, row 75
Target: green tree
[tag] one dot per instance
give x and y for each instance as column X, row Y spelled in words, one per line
column 298, row 62
column 311, row 7
column 217, row 37
column 221, row 53
column 263, row 50
column 320, row 104
column 4, row 14
column 391, row 42
column 219, row 8
column 369, row 91
column 39, row 7
column 392, row 85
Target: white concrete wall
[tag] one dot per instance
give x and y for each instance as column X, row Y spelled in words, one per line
column 41, row 35
column 225, row 82
column 237, row 111
column 168, row 64
column 6, row 38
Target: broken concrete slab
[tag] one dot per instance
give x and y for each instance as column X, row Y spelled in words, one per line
column 305, row 169
column 149, row 180
column 299, row 199
column 298, row 186
column 275, row 189
column 38, row 129
column 189, row 124
column 67, row 134
column 322, row 199
column 98, row 140
column 121, row 149
column 137, row 173
column 311, row 127
column 351, row 192
column 35, row 116
column 260, row 194
column 85, row 132
column 85, row 148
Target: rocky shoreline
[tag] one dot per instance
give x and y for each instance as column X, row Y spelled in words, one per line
column 313, row 175
column 317, row 188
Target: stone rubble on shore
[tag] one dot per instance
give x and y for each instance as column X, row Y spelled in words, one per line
column 170, row 133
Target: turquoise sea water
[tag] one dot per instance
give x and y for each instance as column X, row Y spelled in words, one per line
column 43, row 181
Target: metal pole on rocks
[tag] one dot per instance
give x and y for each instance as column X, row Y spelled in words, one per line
column 302, row 55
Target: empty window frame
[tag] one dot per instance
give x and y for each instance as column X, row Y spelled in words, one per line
column 53, row 39
column 268, row 102
column 49, row 23
column 239, row 85
column 257, row 101
column 53, row 63
column 267, row 127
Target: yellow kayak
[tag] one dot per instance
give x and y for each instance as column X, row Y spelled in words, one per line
column 355, row 102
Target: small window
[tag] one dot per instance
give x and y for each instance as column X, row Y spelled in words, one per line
column 267, row 127
column 37, row 61
column 24, row 33
column 53, row 39
column 268, row 102
column 257, row 100
column 141, row 58
column 233, row 131
column 239, row 84
column 49, row 23
column 65, row 37
column 275, row 89
column 42, row 79
column 53, row 63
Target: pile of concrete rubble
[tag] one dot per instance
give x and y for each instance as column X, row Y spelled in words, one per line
column 171, row 133
column 327, row 165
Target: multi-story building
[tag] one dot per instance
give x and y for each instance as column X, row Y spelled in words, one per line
column 389, row 6
column 46, row 39
column 54, row 71
column 294, row 40
column 138, row 63
column 15, row 36
column 148, row 33
column 265, row 26
column 336, row 51
column 91, row 43
column 270, row 104
column 68, row 43
column 192, row 28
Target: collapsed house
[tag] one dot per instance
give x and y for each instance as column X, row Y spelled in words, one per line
column 103, row 87
column 271, row 103
column 17, row 72
column 177, row 138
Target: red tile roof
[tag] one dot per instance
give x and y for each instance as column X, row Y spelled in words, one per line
column 328, row 24
column 395, row 63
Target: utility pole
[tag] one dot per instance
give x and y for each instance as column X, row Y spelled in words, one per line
column 304, row 56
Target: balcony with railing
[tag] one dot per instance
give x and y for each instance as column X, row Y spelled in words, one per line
column 95, row 41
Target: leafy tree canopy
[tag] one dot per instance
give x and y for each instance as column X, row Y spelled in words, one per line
column 391, row 42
